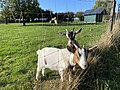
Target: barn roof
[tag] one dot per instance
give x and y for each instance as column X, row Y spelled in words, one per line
column 93, row 11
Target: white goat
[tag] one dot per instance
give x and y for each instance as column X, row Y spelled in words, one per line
column 60, row 59
column 54, row 59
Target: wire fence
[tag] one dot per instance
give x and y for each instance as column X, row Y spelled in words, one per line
column 54, row 82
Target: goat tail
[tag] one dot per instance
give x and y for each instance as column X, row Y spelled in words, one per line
column 38, row 52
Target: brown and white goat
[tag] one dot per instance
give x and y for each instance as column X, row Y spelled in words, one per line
column 71, row 39
column 78, row 55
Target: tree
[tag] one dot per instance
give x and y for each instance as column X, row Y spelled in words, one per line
column 68, row 16
column 102, row 4
column 48, row 14
column 4, row 4
column 79, row 15
column 60, row 16
column 28, row 8
column 107, row 4
column 32, row 9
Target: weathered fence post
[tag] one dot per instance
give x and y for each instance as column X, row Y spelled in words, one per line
column 112, row 15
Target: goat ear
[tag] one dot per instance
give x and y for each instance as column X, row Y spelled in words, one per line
column 78, row 31
column 67, row 34
column 92, row 48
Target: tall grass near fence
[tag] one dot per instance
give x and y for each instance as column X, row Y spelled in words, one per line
column 18, row 46
column 103, row 72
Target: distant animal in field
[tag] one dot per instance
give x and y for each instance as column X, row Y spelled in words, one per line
column 55, row 20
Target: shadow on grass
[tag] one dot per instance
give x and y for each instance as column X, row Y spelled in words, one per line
column 49, row 75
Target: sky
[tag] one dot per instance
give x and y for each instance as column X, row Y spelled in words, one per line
column 68, row 5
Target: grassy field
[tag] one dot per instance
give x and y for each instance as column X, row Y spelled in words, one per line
column 18, row 46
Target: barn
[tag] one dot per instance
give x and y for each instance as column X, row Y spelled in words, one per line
column 94, row 15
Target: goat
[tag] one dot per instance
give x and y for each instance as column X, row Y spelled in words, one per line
column 53, row 58
column 77, row 52
column 58, row 59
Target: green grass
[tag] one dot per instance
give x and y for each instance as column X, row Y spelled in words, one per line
column 18, row 46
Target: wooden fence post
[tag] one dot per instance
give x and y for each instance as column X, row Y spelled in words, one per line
column 112, row 15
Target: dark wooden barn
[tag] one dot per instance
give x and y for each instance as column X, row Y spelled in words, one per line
column 94, row 15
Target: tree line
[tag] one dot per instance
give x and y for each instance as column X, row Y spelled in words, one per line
column 30, row 10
